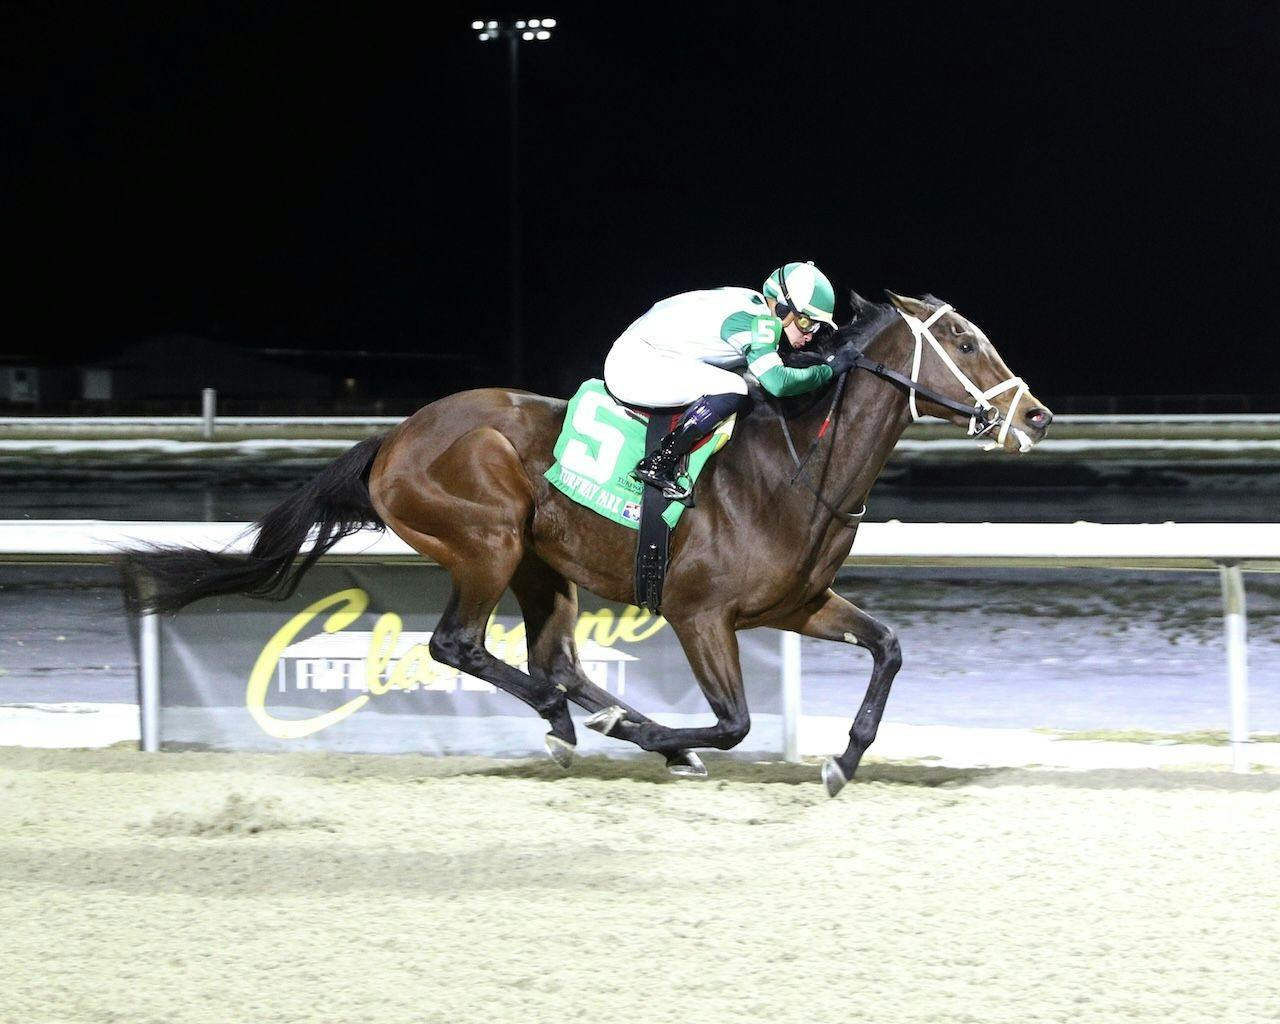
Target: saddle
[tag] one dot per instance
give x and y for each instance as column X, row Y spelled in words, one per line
column 653, row 545
column 599, row 445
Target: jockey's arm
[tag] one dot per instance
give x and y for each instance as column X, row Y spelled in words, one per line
column 760, row 347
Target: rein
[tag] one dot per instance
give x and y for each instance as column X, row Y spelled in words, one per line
column 849, row 519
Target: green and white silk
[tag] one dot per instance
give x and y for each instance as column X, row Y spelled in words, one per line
column 724, row 328
column 758, row 337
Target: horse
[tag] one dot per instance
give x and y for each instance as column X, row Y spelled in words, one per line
column 462, row 482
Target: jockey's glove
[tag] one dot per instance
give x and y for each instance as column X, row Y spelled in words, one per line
column 842, row 360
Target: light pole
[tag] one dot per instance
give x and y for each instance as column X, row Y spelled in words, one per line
column 515, row 32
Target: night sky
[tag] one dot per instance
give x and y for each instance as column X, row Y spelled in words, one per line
column 1094, row 184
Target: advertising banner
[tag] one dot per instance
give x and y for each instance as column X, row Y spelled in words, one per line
column 344, row 666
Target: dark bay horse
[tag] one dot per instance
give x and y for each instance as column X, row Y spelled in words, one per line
column 461, row 481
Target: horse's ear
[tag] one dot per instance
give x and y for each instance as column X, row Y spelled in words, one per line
column 860, row 305
column 908, row 305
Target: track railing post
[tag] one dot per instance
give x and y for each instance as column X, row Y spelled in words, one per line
column 1235, row 628
column 208, row 413
column 790, row 650
column 149, row 681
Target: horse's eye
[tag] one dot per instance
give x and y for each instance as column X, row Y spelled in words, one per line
column 966, row 347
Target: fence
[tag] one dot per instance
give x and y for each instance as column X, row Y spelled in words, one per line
column 1132, row 428
column 1229, row 549
column 460, row 379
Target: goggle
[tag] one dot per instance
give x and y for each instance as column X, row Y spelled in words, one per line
column 807, row 324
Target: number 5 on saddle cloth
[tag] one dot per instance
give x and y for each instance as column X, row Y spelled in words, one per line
column 599, row 445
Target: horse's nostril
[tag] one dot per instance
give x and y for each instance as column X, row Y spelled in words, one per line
column 1039, row 418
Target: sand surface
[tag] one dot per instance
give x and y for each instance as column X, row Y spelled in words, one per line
column 225, row 888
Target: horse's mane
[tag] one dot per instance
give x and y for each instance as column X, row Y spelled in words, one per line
column 869, row 319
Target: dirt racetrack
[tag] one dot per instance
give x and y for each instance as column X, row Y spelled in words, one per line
column 224, row 888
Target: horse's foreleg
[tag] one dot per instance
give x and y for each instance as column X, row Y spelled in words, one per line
column 711, row 646
column 831, row 617
column 549, row 604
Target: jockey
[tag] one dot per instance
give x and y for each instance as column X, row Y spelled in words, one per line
column 684, row 352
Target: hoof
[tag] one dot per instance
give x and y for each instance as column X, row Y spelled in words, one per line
column 687, row 764
column 605, row 720
column 833, row 776
column 560, row 751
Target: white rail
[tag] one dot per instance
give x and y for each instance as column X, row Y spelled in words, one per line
column 1230, row 548
column 1252, row 546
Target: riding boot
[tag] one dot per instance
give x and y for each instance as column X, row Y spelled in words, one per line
column 659, row 468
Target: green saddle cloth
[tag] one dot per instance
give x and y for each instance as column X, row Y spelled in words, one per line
column 599, row 447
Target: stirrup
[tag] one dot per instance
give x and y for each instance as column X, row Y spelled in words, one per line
column 678, row 492
column 670, row 488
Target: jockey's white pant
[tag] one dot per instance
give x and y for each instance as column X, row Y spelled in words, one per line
column 639, row 374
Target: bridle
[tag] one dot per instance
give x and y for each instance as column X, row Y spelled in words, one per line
column 983, row 415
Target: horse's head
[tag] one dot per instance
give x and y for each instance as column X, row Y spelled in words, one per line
column 952, row 358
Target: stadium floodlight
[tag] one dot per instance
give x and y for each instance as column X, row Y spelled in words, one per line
column 526, row 30
column 515, row 32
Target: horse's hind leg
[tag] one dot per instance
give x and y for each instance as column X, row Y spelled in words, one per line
column 549, row 603
column 458, row 641
column 469, row 514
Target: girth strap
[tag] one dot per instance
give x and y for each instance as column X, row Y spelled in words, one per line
column 653, row 541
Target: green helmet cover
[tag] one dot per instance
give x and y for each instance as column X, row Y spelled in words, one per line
column 808, row 287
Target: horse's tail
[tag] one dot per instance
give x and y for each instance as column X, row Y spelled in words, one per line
column 165, row 578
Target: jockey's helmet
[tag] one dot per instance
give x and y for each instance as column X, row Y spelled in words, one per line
column 803, row 289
